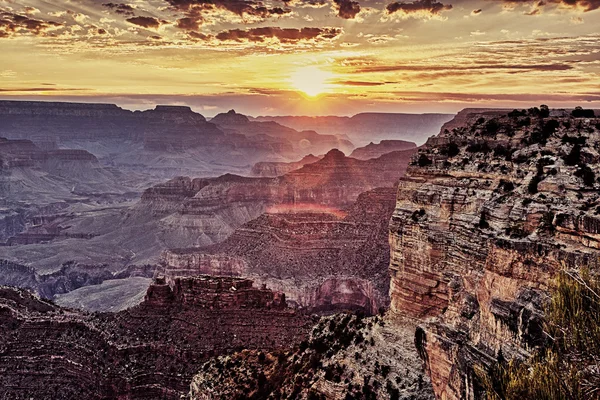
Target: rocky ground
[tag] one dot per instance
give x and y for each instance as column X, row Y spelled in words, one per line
column 346, row 357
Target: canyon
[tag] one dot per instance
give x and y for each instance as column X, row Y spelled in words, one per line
column 396, row 272
column 148, row 351
column 322, row 259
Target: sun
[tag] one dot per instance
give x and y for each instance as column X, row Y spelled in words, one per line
column 312, row 80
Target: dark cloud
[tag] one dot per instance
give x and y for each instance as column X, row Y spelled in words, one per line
column 146, row 22
column 537, row 5
column 284, row 35
column 190, row 23
column 477, row 67
column 120, row 8
column 426, row 7
column 194, row 8
column 359, row 83
column 347, row 9
column 16, row 24
column 306, row 3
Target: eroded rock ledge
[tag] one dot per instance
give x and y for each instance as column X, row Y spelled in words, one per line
column 147, row 352
column 487, row 214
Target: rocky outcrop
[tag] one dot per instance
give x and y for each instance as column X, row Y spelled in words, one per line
column 323, row 260
column 273, row 169
column 491, row 209
column 345, row 357
column 373, row 150
column 70, row 276
column 364, row 128
column 149, row 351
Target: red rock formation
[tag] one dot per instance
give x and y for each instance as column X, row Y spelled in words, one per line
column 213, row 208
column 321, row 260
column 147, row 352
column 488, row 213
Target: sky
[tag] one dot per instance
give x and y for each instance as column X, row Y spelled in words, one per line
column 303, row 57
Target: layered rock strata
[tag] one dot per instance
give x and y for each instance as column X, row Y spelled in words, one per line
column 491, row 209
column 323, row 260
column 149, row 351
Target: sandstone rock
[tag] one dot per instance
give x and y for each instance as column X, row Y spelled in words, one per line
column 480, row 229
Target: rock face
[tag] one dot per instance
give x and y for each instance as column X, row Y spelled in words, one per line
column 207, row 211
column 70, row 276
column 364, row 128
column 490, row 210
column 373, row 150
column 273, row 169
column 147, row 352
column 323, row 261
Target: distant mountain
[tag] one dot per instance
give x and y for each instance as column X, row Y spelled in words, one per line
column 364, row 128
column 156, row 144
column 304, row 142
column 373, row 150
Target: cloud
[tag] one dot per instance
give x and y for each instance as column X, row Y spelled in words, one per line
column 425, row 9
column 283, row 35
column 307, row 3
column 120, row 8
column 12, row 24
column 359, row 83
column 146, row 22
column 476, row 67
column 537, row 5
column 346, row 9
column 193, row 9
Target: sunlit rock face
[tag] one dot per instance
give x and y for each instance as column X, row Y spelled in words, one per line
column 323, row 259
column 490, row 210
column 149, row 351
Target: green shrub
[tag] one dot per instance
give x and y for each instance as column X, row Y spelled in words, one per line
column 565, row 368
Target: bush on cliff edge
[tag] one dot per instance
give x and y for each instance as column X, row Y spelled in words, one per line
column 568, row 368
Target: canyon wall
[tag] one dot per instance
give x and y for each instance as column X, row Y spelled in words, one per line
column 323, row 260
column 147, row 352
column 487, row 214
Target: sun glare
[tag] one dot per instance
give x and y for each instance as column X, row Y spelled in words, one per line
column 311, row 80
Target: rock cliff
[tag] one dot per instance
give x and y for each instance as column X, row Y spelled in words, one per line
column 373, row 150
column 273, row 169
column 487, row 214
column 147, row 352
column 323, row 260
